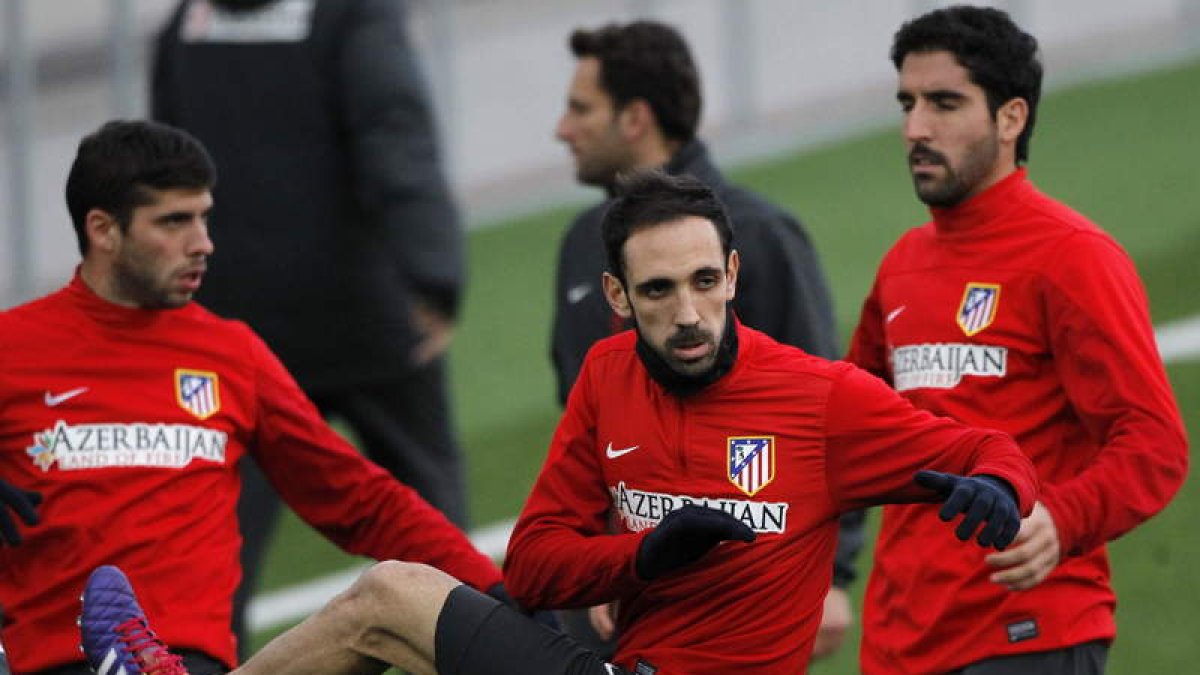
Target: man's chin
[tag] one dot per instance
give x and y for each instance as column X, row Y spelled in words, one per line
column 694, row 367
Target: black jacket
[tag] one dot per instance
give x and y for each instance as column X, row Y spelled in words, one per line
column 331, row 212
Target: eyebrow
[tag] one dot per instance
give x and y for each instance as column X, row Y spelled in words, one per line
column 181, row 214
column 666, row 282
column 937, row 95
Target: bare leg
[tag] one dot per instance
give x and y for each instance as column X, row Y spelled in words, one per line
column 387, row 618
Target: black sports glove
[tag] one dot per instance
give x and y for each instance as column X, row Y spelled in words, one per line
column 24, row 503
column 684, row 536
column 545, row 617
column 980, row 498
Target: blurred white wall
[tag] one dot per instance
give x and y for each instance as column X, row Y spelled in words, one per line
column 778, row 74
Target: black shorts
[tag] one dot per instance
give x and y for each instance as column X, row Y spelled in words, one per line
column 477, row 635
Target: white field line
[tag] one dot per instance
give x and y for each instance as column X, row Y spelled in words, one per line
column 286, row 605
column 1177, row 341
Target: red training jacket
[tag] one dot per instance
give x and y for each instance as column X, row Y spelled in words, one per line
column 1013, row 312
column 131, row 423
column 784, row 441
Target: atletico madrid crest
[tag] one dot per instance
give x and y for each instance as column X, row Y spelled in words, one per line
column 978, row 307
column 751, row 462
column 198, row 392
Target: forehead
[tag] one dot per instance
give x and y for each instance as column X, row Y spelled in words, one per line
column 175, row 199
column 937, row 70
column 675, row 249
column 586, row 80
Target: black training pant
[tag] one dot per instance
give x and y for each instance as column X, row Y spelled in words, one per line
column 477, row 635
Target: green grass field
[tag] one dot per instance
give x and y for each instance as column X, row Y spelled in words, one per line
column 1123, row 152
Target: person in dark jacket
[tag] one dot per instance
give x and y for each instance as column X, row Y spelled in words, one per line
column 340, row 243
column 634, row 103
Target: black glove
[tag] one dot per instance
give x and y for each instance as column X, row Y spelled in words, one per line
column 545, row 617
column 981, row 498
column 24, row 503
column 683, row 536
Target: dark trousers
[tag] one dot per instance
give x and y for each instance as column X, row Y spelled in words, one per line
column 1088, row 658
column 405, row 425
column 476, row 635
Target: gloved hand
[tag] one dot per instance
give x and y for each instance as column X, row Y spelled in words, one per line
column 543, row 616
column 684, row 536
column 24, row 503
column 980, row 498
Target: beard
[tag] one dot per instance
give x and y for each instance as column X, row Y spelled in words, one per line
column 134, row 281
column 959, row 182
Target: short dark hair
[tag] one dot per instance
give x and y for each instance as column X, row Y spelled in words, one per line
column 118, row 165
column 651, row 61
column 1001, row 58
column 651, row 197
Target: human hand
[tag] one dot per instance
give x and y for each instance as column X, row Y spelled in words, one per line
column 835, row 622
column 982, row 499
column 22, row 502
column 601, row 618
column 436, row 330
column 1037, row 551
column 684, row 536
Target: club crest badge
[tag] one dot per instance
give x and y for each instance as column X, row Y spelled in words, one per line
column 198, row 392
column 751, row 462
column 978, row 307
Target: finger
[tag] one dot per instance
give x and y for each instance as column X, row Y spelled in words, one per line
column 8, row 530
column 1009, row 534
column 27, row 507
column 935, row 480
column 997, row 525
column 978, row 509
column 1016, row 555
column 1013, row 577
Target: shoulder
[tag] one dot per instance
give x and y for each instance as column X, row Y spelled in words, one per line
column 765, row 354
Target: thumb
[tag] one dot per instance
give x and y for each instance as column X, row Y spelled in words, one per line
column 935, row 480
column 736, row 530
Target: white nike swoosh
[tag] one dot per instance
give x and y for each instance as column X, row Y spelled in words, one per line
column 895, row 313
column 54, row 399
column 577, row 293
column 613, row 454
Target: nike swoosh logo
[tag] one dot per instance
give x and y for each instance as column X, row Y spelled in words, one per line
column 577, row 293
column 895, row 313
column 54, row 399
column 613, row 454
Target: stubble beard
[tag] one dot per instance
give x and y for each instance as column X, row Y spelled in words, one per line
column 958, row 184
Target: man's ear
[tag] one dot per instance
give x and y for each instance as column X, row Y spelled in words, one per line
column 731, row 274
column 614, row 292
column 102, row 230
column 636, row 119
column 1011, row 119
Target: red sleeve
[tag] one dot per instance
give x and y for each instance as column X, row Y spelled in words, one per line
column 560, row 554
column 1108, row 362
column 867, row 347
column 876, row 440
column 351, row 500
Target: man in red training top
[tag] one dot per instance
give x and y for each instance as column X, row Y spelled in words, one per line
column 727, row 458
column 1008, row 311
column 125, row 408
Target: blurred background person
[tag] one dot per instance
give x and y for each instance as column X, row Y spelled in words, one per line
column 341, row 244
column 634, row 102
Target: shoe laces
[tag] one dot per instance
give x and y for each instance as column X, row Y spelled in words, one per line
column 150, row 653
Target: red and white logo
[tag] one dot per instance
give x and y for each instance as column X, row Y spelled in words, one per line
column 198, row 392
column 751, row 462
